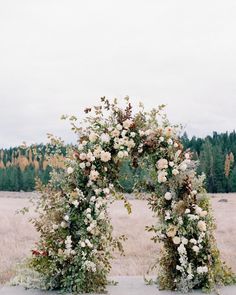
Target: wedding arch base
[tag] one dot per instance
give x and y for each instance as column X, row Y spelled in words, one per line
column 76, row 239
column 126, row 286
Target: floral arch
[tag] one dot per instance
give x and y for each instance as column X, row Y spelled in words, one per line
column 76, row 241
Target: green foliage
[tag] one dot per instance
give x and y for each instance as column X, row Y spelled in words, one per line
column 211, row 153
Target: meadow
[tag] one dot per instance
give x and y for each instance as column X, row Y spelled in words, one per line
column 18, row 235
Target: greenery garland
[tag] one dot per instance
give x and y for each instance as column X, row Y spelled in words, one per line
column 76, row 241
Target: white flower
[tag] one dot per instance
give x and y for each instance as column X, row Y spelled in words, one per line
column 119, row 127
column 127, row 123
column 141, row 133
column 183, row 166
column 171, row 164
column 70, row 170
column 195, row 248
column 66, row 218
column 82, row 165
column 168, row 196
column 184, row 241
column 170, row 141
column 182, row 250
column 194, row 192
column 132, row 134
column 82, row 244
column 120, row 155
column 101, row 215
column 202, row 269
column 105, row 138
column 90, row 157
column 171, row 232
column 82, row 156
column 105, row 156
column 176, row 240
column 93, row 175
column 201, row 225
column 198, row 210
column 162, row 176
column 55, row 226
column 187, row 211
column 193, row 241
column 175, row 172
column 97, row 152
column 64, row 224
column 75, row 203
column 176, row 145
column 115, row 133
column 161, row 139
column 93, row 137
column 162, row 164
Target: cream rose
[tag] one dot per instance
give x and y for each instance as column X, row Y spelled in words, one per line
column 162, row 164
column 201, row 225
column 176, row 240
column 93, row 175
column 127, row 123
column 105, row 138
column 168, row 196
column 70, row 170
column 93, row 137
column 105, row 156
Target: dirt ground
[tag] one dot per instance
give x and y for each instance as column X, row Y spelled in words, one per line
column 18, row 235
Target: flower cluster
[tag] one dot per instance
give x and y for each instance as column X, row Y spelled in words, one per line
column 74, row 225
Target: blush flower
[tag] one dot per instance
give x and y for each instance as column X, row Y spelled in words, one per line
column 105, row 156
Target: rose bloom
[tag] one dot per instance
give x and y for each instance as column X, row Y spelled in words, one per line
column 127, row 123
column 105, row 156
column 195, row 248
column 97, row 152
column 115, row 133
column 162, row 176
column 132, row 134
column 82, row 156
column 168, row 196
column 176, row 240
column 70, row 170
column 119, row 127
column 184, row 241
column 175, row 172
column 105, row 138
column 93, row 137
column 93, row 175
column 162, row 164
column 82, row 165
column 201, row 225
column 171, row 232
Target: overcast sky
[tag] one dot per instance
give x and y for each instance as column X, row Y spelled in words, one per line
column 57, row 57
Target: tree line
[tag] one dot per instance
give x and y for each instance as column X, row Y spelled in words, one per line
column 215, row 155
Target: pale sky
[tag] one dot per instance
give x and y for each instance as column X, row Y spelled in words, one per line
column 58, row 57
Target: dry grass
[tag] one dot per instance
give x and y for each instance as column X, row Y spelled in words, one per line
column 18, row 236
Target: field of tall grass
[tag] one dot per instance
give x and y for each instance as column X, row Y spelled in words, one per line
column 18, row 235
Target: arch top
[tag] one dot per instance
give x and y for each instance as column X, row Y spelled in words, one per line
column 76, row 233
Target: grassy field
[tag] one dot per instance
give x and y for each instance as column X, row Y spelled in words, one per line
column 18, row 236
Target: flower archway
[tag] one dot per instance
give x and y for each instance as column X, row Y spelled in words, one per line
column 76, row 241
